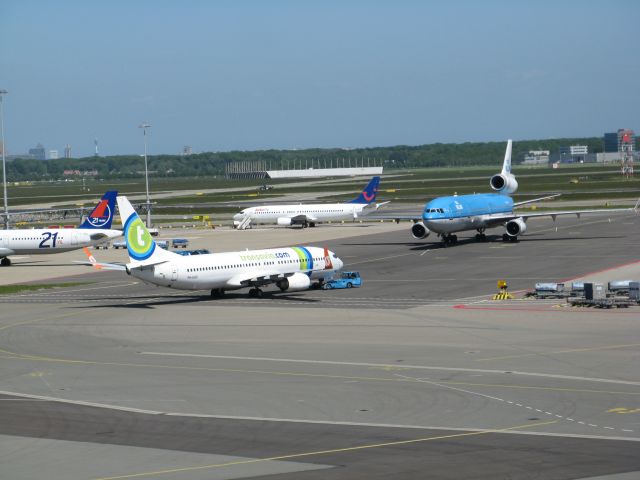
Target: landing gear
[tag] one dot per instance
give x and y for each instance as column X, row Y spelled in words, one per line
column 5, row 262
column 480, row 236
column 449, row 239
column 318, row 285
column 255, row 292
column 312, row 224
column 509, row 238
column 217, row 292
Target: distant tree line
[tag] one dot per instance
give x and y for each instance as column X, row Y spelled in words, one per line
column 213, row 163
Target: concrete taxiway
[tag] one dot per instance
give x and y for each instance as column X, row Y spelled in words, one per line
column 418, row 372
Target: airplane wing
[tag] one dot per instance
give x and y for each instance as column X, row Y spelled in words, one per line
column 375, row 206
column 257, row 278
column 499, row 219
column 115, row 266
column 524, row 202
column 98, row 265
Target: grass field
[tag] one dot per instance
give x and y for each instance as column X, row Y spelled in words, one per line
column 11, row 289
column 576, row 182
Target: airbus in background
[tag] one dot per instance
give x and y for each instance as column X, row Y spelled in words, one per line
column 95, row 229
column 289, row 269
column 307, row 215
column 447, row 215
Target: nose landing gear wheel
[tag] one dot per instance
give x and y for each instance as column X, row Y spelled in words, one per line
column 5, row 262
column 255, row 292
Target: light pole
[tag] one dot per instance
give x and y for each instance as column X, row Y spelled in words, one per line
column 144, row 127
column 4, row 167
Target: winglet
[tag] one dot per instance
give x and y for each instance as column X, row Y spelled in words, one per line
column 328, row 264
column 506, row 165
column 369, row 193
column 92, row 259
column 102, row 215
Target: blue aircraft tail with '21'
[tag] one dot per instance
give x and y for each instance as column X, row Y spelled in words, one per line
column 369, row 193
column 102, row 215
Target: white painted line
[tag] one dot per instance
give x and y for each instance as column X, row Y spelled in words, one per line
column 386, row 365
column 307, row 421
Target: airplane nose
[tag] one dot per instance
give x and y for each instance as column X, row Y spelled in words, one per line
column 238, row 217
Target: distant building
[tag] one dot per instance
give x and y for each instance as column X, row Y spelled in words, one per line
column 67, row 151
column 53, row 155
column 618, row 141
column 573, row 154
column 187, row 150
column 610, row 142
column 536, row 157
column 39, row 153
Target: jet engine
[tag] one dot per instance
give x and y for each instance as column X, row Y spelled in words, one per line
column 284, row 221
column 297, row 281
column 419, row 230
column 516, row 227
column 504, row 183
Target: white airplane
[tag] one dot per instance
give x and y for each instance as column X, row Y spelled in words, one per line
column 95, row 229
column 308, row 215
column 290, row 269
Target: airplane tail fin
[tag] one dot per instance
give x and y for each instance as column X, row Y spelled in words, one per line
column 140, row 243
column 369, row 193
column 506, row 165
column 102, row 215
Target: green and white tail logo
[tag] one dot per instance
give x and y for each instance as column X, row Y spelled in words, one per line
column 139, row 242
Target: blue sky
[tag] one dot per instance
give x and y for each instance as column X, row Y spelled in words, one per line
column 240, row 74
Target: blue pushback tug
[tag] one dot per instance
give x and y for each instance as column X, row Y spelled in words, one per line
column 345, row 280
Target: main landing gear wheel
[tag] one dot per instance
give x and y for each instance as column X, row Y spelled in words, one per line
column 5, row 262
column 449, row 239
column 255, row 292
column 217, row 292
column 509, row 238
column 480, row 236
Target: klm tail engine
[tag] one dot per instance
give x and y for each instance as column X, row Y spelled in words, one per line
column 419, row 230
column 516, row 227
column 504, row 183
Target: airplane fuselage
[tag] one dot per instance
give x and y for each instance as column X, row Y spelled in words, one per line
column 49, row 240
column 445, row 215
column 332, row 212
column 231, row 270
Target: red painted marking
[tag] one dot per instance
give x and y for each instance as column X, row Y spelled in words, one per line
column 98, row 212
column 600, row 271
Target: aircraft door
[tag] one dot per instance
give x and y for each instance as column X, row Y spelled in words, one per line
column 74, row 238
column 174, row 273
